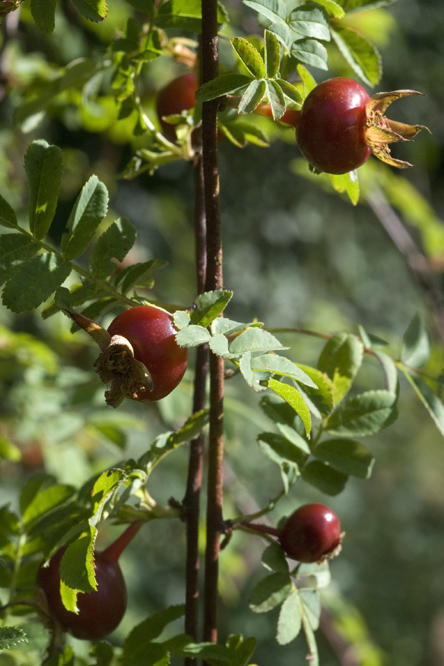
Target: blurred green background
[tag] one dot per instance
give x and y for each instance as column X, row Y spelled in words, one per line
column 295, row 255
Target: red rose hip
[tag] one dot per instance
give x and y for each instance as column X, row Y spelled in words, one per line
column 331, row 129
column 175, row 97
column 100, row 611
column 151, row 332
column 311, row 533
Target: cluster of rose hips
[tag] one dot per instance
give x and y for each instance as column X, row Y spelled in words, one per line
column 337, row 129
column 311, row 534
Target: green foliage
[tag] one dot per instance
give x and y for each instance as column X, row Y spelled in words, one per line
column 318, row 412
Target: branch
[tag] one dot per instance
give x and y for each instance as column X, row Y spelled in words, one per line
column 214, row 280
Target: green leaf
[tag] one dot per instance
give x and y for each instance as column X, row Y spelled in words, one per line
column 362, row 56
column 273, row 10
column 327, row 479
column 192, row 336
column 250, row 57
column 311, row 606
column 324, row 395
column 307, row 79
column 140, row 638
column 228, row 326
column 276, row 99
column 346, row 456
column 10, row 637
column 77, row 569
column 290, row 91
column 44, row 168
column 390, row 371
column 348, row 183
column 88, row 211
column 254, row 340
column 351, row 5
column 286, row 420
column 341, row 359
column 114, row 243
column 310, row 21
column 211, row 653
column 416, row 345
column 290, row 619
column 252, row 96
column 14, row 248
column 33, row 282
column 280, row 450
column 272, row 54
column 242, row 131
column 228, row 84
column 280, row 365
column 138, row 275
column 93, row 10
column 311, row 52
column 294, row 399
column 9, row 451
column 103, row 653
column 273, row 558
column 185, row 15
column 43, row 13
column 332, row 7
column 429, row 399
column 364, row 414
column 8, row 217
column 145, row 6
column 46, row 500
column 254, row 379
column 270, row 592
column 209, row 306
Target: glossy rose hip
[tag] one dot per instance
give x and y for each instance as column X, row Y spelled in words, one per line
column 100, row 611
column 151, row 332
column 175, row 97
column 331, row 129
column 311, row 533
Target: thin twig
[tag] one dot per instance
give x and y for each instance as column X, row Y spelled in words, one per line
column 417, row 262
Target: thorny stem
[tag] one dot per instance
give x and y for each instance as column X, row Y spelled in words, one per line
column 194, row 482
column 214, row 280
